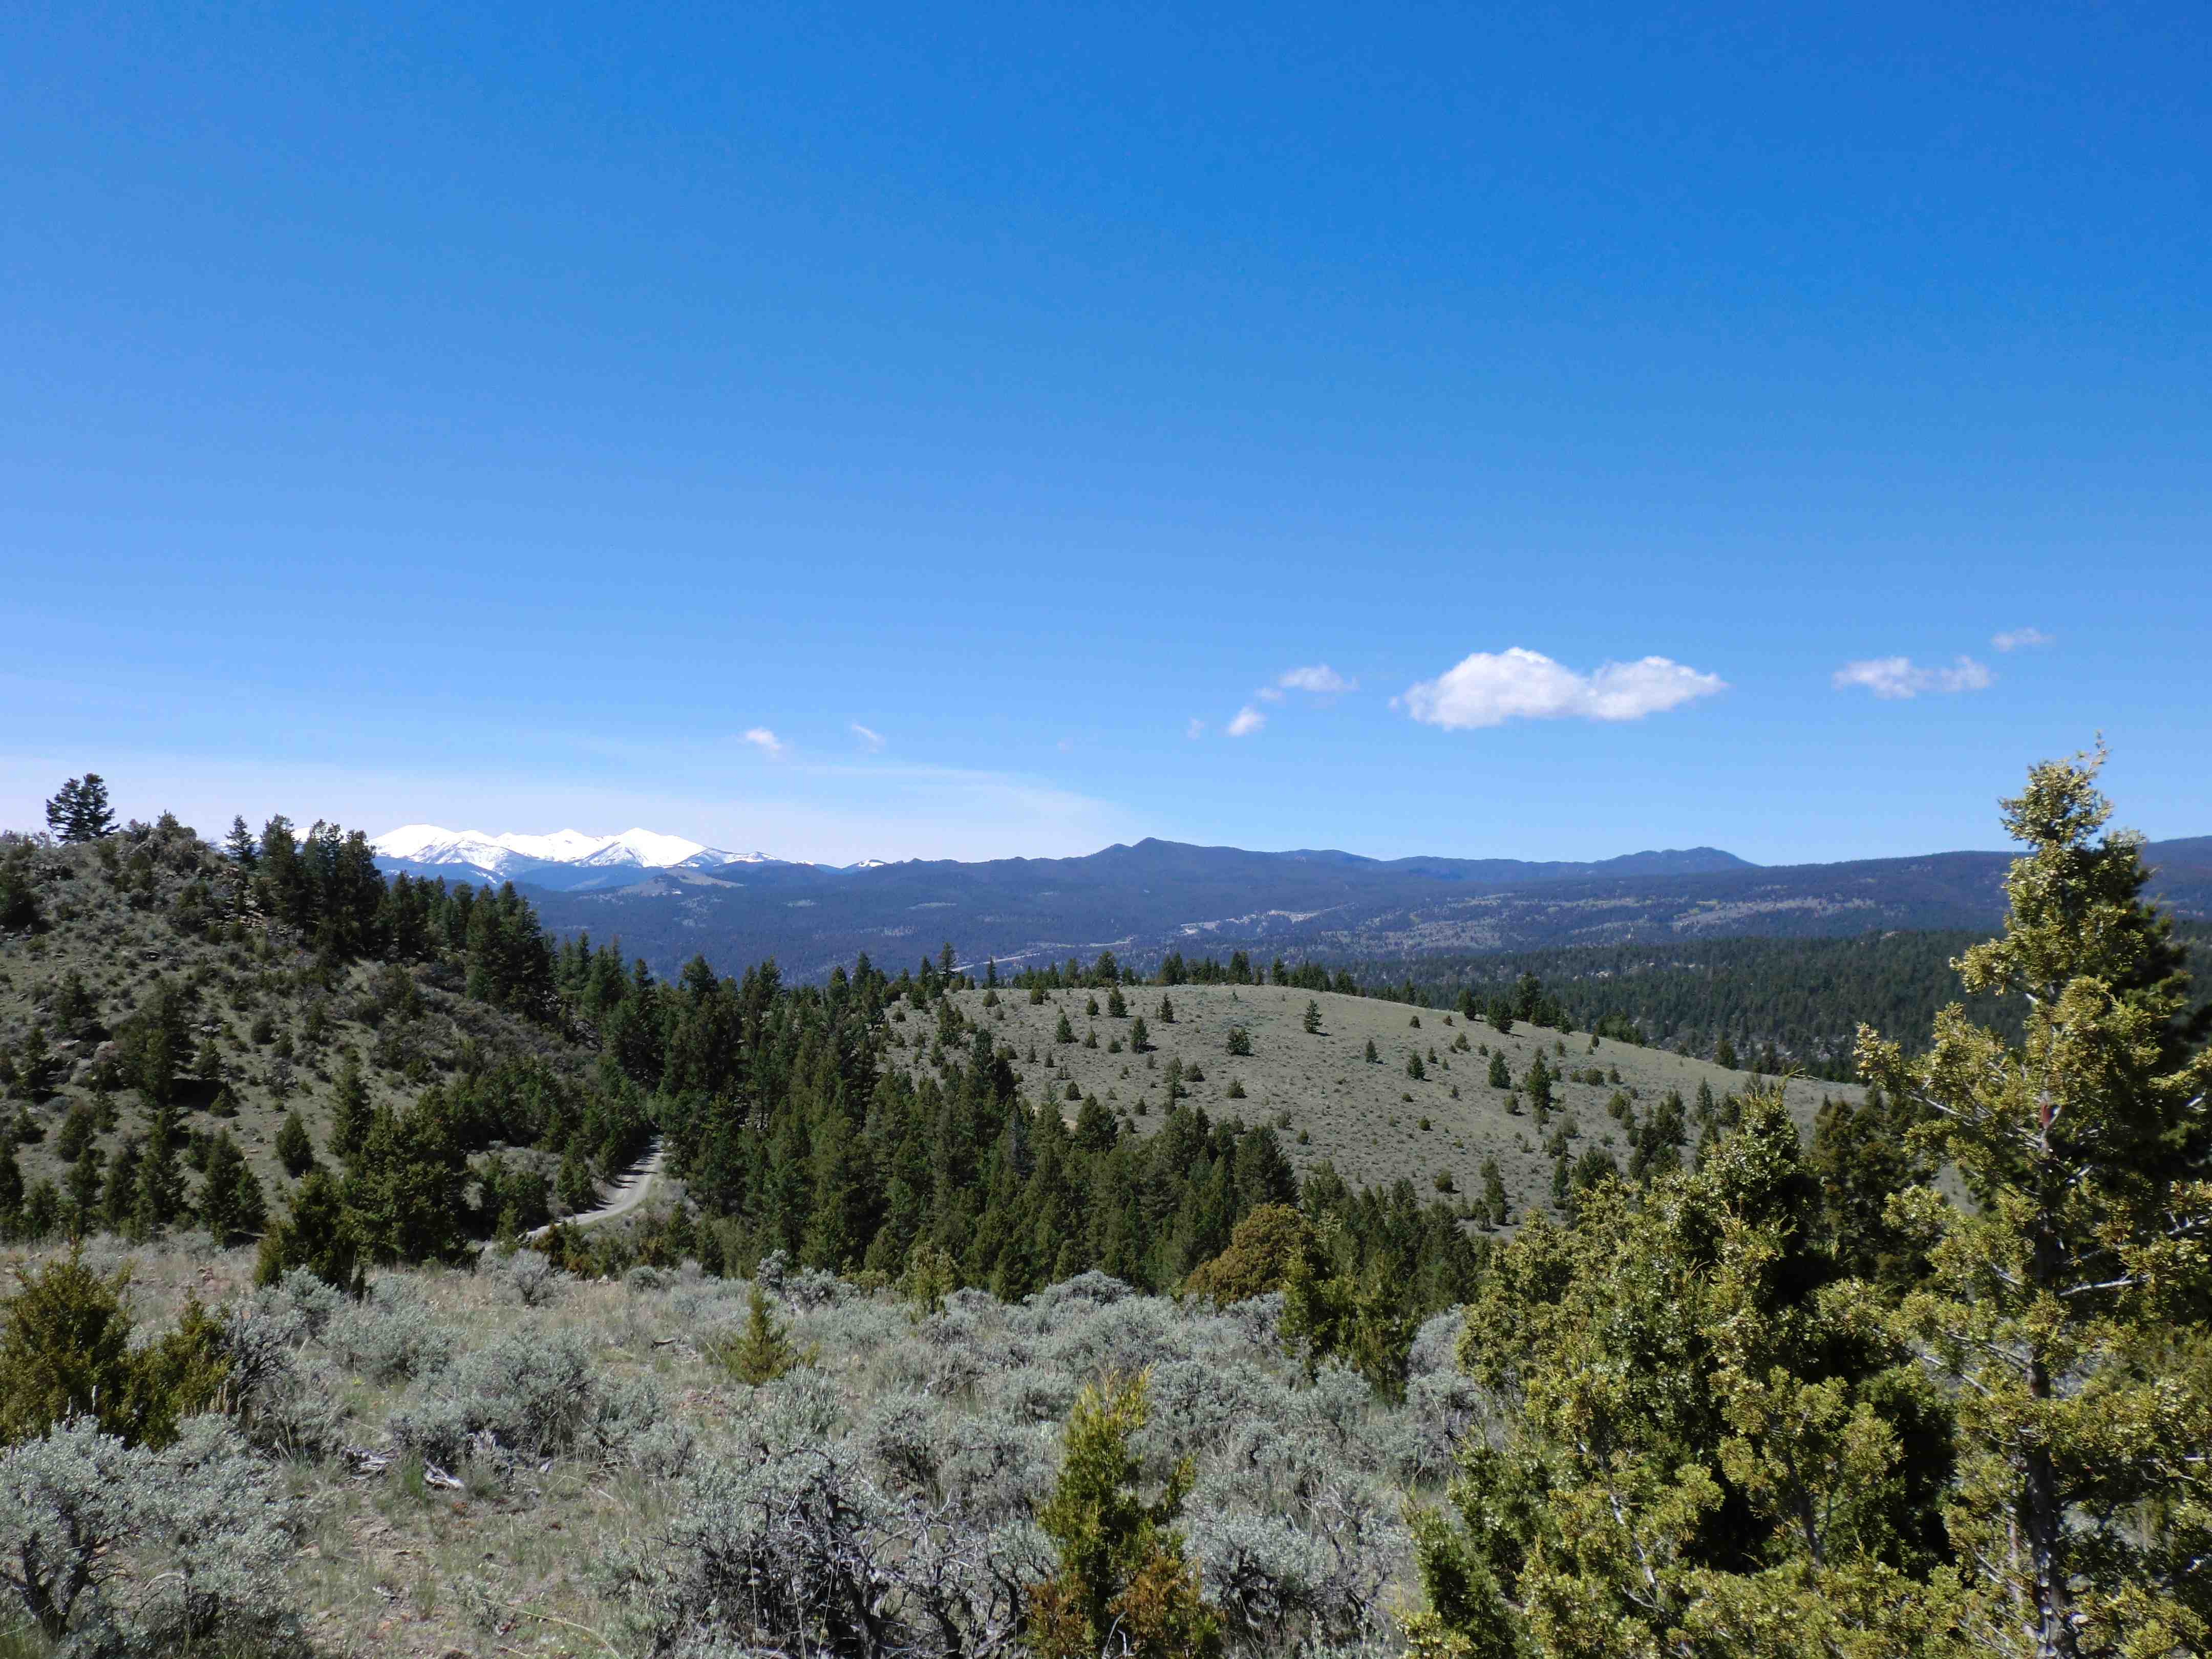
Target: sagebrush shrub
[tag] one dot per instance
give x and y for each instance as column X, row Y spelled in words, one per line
column 282, row 1405
column 532, row 1279
column 391, row 1335
column 529, row 1393
column 790, row 1551
column 198, row 1530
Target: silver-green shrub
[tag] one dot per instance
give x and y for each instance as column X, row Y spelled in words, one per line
column 284, row 1401
column 391, row 1335
column 533, row 1394
column 118, row 1549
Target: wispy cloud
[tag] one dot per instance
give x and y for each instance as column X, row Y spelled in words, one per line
column 1195, row 730
column 1900, row 676
column 1249, row 720
column 1320, row 678
column 1491, row 688
column 766, row 741
column 872, row 741
column 2021, row 639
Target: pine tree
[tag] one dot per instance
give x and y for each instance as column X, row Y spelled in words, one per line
column 232, row 1206
column 294, row 1148
column 1724, row 1054
column 349, row 1111
column 1699, row 1451
column 1500, row 1077
column 1122, row 1582
column 1122, row 1585
column 118, row 1196
column 1414, row 1069
column 1141, row 1036
column 1494, row 1203
column 77, row 1132
column 11, row 1194
column 78, row 811
column 2053, row 1301
column 241, row 846
column 32, row 1062
column 317, row 1232
column 157, row 1198
column 1312, row 1020
column 1538, row 1083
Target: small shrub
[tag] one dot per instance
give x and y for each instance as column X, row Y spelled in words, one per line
column 530, row 1278
column 65, row 1353
column 1122, row 1577
column 529, row 1393
column 762, row 1352
column 392, row 1334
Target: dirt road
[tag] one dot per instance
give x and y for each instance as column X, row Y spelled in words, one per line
column 624, row 1193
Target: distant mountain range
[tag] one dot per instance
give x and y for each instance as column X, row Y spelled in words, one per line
column 567, row 861
column 1142, row 901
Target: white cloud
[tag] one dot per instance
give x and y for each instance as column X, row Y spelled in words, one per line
column 1249, row 720
column 1195, row 730
column 1489, row 688
column 1320, row 677
column 765, row 740
column 1900, row 676
column 872, row 741
column 2021, row 639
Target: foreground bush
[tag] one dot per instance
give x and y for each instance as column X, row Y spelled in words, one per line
column 1122, row 1585
column 117, row 1549
column 65, row 1353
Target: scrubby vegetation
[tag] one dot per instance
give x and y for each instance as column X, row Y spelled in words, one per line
column 484, row 1461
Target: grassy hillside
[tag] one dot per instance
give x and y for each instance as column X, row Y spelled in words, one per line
column 1327, row 1100
column 269, row 1023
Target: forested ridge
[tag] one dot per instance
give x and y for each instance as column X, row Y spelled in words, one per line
column 1803, row 999
column 775, row 1108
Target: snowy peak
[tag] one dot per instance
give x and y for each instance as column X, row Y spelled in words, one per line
column 645, row 849
column 568, row 858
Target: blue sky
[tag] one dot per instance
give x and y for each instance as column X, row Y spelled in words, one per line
column 491, row 417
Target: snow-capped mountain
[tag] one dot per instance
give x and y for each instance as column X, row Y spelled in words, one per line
column 566, row 859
